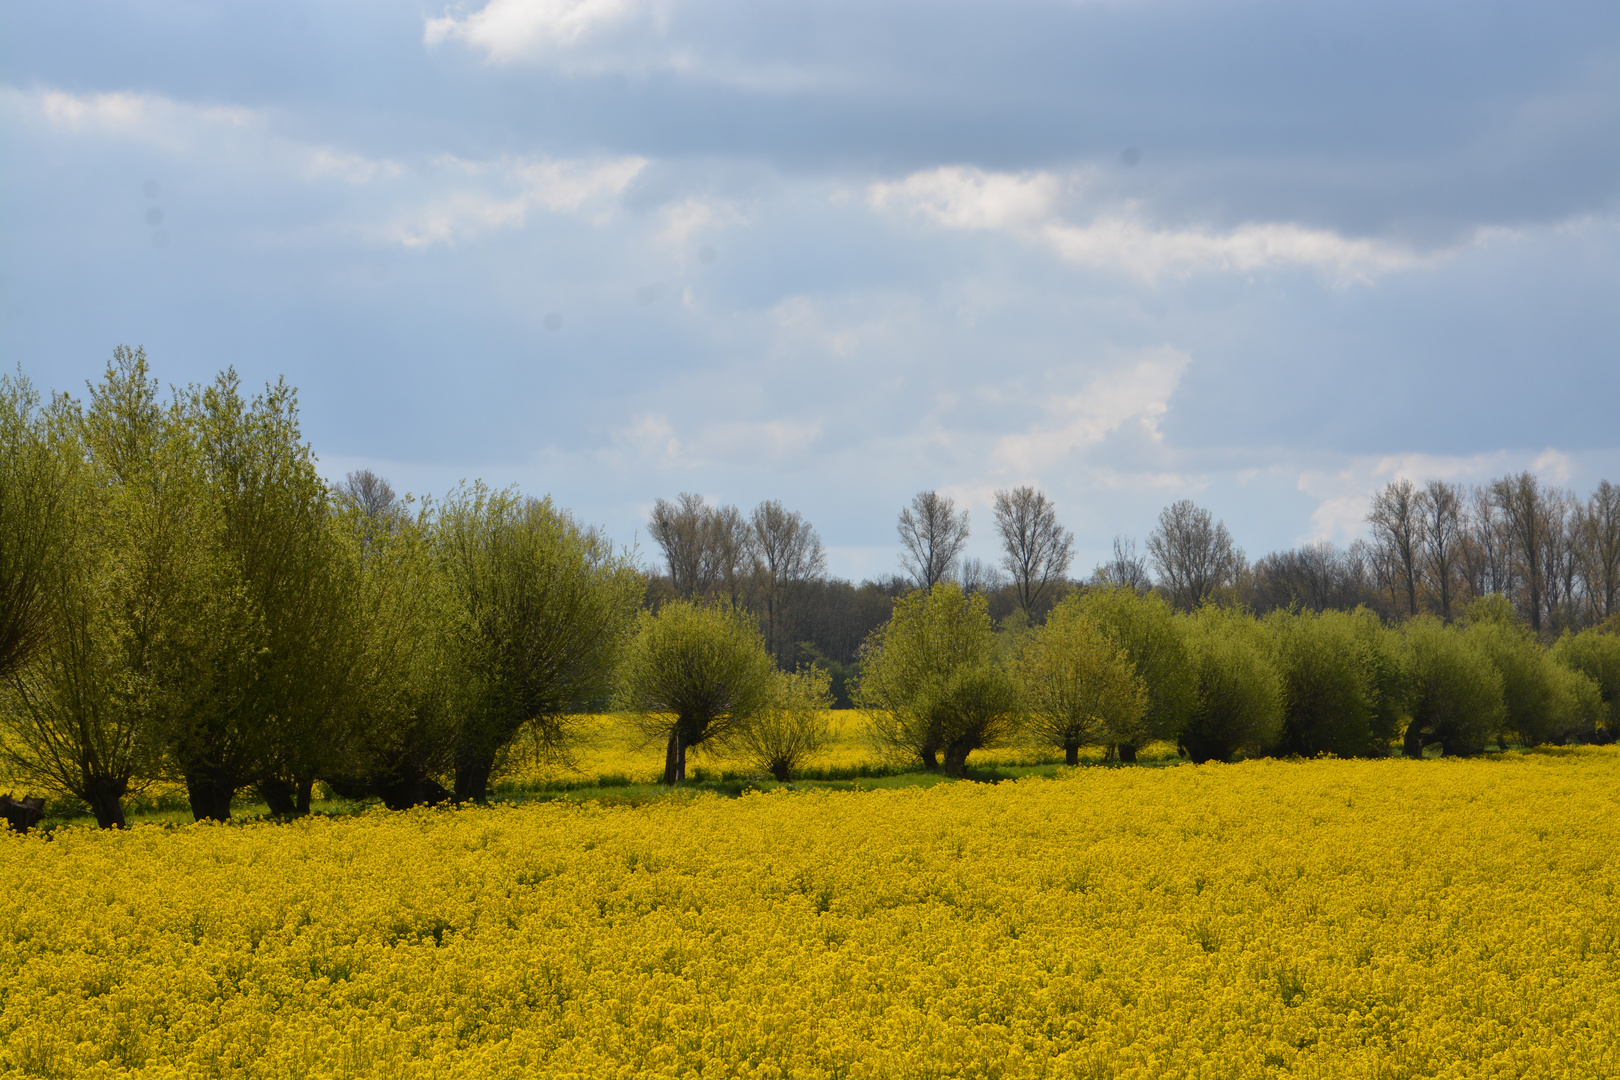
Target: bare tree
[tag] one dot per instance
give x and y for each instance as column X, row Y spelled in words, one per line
column 978, row 576
column 933, row 535
column 1037, row 549
column 705, row 547
column 1441, row 506
column 1397, row 522
column 371, row 493
column 1600, row 550
column 1484, row 548
column 1192, row 553
column 786, row 552
column 1125, row 570
column 1523, row 504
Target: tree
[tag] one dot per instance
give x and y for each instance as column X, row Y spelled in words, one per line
column 1238, row 706
column 71, row 723
column 932, row 680
column 1077, row 685
column 1036, row 549
column 1397, row 521
column 1595, row 654
column 1330, row 697
column 706, row 548
column 695, row 675
column 1539, row 704
column 933, row 535
column 1600, row 549
column 544, row 607
column 1145, row 630
column 408, row 697
column 372, row 495
column 32, row 521
column 793, row 728
column 258, row 694
column 786, row 553
column 1484, row 549
column 1126, row 570
column 1440, row 505
column 1456, row 691
column 1192, row 553
column 1523, row 505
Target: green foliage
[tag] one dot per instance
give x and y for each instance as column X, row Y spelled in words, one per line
column 1330, row 693
column 1595, row 654
column 405, row 709
column 784, row 737
column 1456, row 691
column 260, row 693
column 1078, row 687
column 1541, row 705
column 544, row 608
column 696, row 674
column 33, row 528
column 1145, row 629
column 1239, row 707
column 69, row 721
column 933, row 681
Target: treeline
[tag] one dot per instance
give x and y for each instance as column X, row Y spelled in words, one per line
column 184, row 598
column 1119, row 667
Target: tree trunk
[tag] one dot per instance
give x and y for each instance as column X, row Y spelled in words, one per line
column 930, row 756
column 278, row 795
column 305, row 786
column 473, row 766
column 209, row 791
column 1412, row 747
column 1127, row 754
column 674, row 758
column 956, row 755
column 106, row 802
column 1071, row 753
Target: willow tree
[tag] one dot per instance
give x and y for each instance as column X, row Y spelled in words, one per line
column 1145, row 630
column 543, row 608
column 1456, row 690
column 252, row 663
column 406, row 701
column 72, row 718
column 1239, row 703
column 793, row 728
column 696, row 675
column 933, row 683
column 32, row 526
column 1079, row 688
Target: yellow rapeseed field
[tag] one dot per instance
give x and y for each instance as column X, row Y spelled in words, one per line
column 1316, row 919
column 607, row 745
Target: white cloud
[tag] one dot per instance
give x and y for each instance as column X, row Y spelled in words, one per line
column 1138, row 391
column 510, row 29
column 965, row 198
column 513, row 187
column 1038, row 206
column 229, row 135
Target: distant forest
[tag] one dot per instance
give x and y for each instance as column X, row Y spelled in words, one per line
column 1434, row 548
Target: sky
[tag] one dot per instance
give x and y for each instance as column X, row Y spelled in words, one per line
column 1266, row 256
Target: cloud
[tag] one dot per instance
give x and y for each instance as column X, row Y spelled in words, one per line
column 507, row 30
column 1032, row 206
column 225, row 133
column 442, row 200
column 514, row 187
column 1138, row 390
